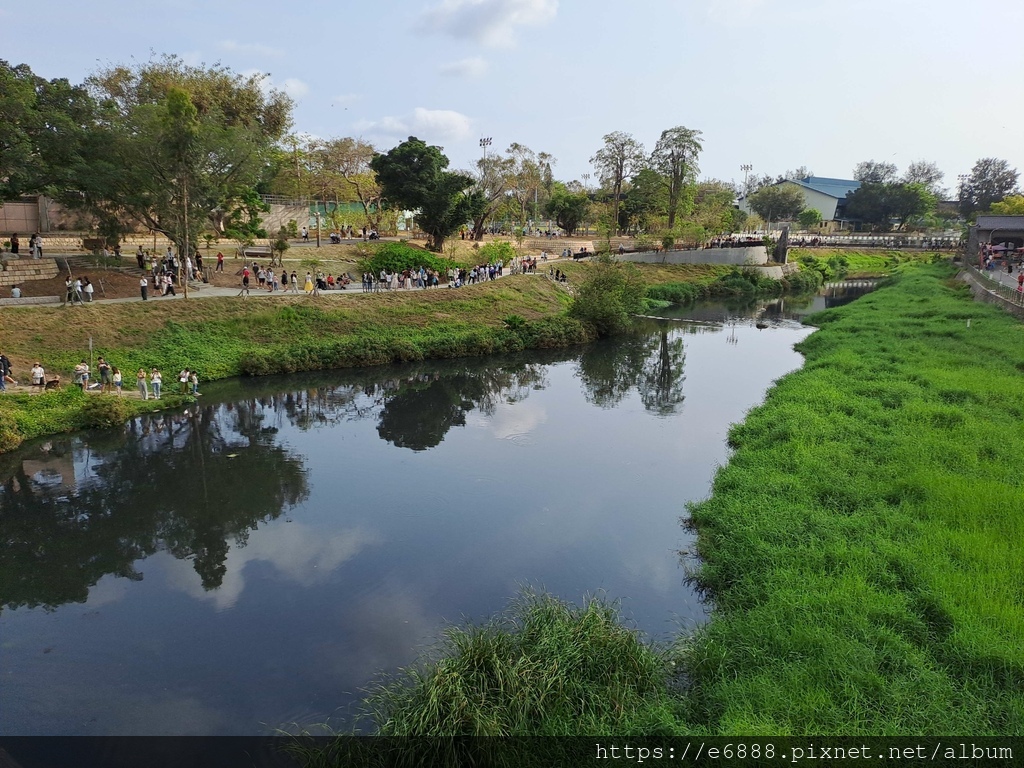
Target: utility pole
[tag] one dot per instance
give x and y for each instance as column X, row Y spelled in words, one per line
column 484, row 144
column 317, row 226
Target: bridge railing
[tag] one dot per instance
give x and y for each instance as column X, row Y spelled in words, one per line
column 992, row 283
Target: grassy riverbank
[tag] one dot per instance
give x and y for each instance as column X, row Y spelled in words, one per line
column 860, row 548
column 860, row 545
column 222, row 337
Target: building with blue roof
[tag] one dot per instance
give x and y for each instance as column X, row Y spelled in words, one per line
column 827, row 195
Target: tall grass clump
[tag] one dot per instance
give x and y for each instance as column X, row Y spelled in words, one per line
column 544, row 667
column 861, row 545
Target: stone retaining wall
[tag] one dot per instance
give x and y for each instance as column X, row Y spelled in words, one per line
column 752, row 256
column 16, row 271
column 28, row 300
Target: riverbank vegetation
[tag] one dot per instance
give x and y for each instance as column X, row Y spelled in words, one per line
column 222, row 337
column 859, row 549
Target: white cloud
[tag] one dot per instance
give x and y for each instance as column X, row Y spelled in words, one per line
column 472, row 67
column 299, row 553
column 263, row 50
column 489, row 22
column 437, row 125
column 347, row 98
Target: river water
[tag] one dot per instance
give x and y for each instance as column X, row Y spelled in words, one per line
column 255, row 560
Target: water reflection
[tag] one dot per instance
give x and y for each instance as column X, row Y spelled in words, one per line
column 650, row 363
column 186, row 483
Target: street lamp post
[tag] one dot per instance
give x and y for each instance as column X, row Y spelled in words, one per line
column 484, row 144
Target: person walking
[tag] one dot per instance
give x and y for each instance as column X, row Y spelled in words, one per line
column 220, row 262
column 143, row 287
column 140, row 379
column 87, row 289
column 15, row 244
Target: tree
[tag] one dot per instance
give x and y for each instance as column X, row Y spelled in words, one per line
column 713, row 207
column 777, row 202
column 413, row 176
column 990, row 181
column 619, row 158
column 175, row 144
column 494, row 175
column 809, row 217
column 568, row 209
column 910, row 202
column 926, row 173
column 525, row 177
column 42, row 128
column 881, row 204
column 675, row 158
column 873, row 172
column 799, row 173
column 1012, row 205
column 646, row 197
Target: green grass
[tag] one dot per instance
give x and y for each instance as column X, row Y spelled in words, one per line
column 859, row 546
column 543, row 667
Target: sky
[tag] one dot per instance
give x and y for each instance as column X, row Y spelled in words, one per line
column 775, row 84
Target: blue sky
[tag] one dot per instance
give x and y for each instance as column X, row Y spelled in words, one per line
column 773, row 83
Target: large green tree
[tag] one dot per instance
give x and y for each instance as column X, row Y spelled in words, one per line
column 176, row 147
column 675, row 158
column 42, row 128
column 882, row 205
column 621, row 157
column 777, row 202
column 990, row 181
column 413, row 176
column 567, row 208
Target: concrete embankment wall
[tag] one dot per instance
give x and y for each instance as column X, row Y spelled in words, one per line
column 753, row 256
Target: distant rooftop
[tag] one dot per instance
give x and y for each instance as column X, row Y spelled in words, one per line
column 837, row 188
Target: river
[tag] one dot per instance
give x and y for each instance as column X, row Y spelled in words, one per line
column 253, row 561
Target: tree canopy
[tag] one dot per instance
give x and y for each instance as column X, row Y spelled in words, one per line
column 619, row 158
column 567, row 208
column 778, row 202
column 176, row 144
column 413, row 176
column 990, row 181
column 675, row 158
column 43, row 125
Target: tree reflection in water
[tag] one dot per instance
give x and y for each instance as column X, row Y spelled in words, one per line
column 186, row 483
column 650, row 363
column 75, row 509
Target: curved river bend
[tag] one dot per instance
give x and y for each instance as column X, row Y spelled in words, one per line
column 257, row 559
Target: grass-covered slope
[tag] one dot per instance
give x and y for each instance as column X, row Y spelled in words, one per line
column 862, row 547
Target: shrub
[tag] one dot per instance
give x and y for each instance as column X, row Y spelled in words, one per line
column 104, row 412
column 608, row 295
column 499, row 250
column 399, row 256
